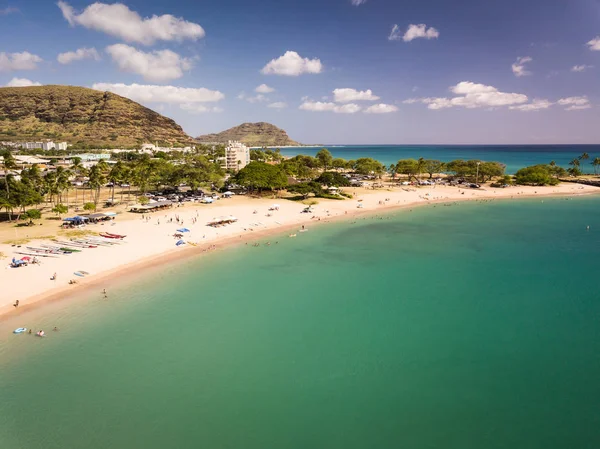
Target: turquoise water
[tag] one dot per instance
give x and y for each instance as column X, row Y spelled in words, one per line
column 514, row 156
column 471, row 326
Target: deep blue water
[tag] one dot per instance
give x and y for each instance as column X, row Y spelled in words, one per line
column 513, row 156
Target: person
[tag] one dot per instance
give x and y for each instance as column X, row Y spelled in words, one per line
column 16, row 304
column 30, row 331
column 53, row 278
column 55, row 329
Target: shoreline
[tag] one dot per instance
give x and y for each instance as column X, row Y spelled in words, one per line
column 54, row 294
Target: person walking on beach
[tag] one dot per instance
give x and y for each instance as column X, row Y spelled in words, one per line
column 16, row 304
column 105, row 294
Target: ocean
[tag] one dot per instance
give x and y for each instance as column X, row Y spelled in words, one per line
column 513, row 156
column 468, row 326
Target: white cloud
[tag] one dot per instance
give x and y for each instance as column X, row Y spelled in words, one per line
column 145, row 93
column 472, row 95
column 518, row 67
column 292, row 64
column 535, row 105
column 264, row 89
column 197, row 108
column 347, row 95
column 594, row 44
column 278, row 105
column 22, row 82
column 581, row 68
column 318, row 106
column 358, row 2
column 157, row 66
column 255, row 99
column 18, row 61
column 575, row 103
column 8, row 10
column 413, row 32
column 119, row 21
column 77, row 55
column 381, row 108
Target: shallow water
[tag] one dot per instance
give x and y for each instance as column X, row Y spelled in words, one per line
column 471, row 326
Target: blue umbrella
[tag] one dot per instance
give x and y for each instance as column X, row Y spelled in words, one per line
column 180, row 242
column 183, row 230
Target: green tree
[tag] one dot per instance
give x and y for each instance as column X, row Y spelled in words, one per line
column 89, row 206
column 368, row 166
column 433, row 167
column 32, row 214
column 9, row 163
column 143, row 200
column 596, row 163
column 60, row 209
column 332, row 178
column 575, row 170
column 408, row 167
column 306, row 189
column 261, row 176
column 325, row 158
column 536, row 175
column 584, row 157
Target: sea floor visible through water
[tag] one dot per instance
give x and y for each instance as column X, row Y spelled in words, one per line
column 474, row 325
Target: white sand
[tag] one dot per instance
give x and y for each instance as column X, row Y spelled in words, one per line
column 149, row 241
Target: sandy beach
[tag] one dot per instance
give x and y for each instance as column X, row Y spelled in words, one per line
column 150, row 240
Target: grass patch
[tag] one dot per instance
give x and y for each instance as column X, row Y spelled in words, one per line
column 310, row 202
column 76, row 233
column 17, row 242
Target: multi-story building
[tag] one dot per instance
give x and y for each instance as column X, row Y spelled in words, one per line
column 237, row 156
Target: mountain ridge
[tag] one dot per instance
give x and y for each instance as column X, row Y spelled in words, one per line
column 83, row 117
column 260, row 134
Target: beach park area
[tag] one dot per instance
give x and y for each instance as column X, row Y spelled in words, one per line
column 155, row 238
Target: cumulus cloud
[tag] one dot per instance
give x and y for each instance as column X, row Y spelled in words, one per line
column 381, row 108
column 413, row 32
column 594, row 44
column 318, row 106
column 18, row 61
column 347, row 95
column 575, row 103
column 145, row 93
column 581, row 68
column 472, row 95
column 518, row 67
column 119, row 21
column 157, row 66
column 22, row 82
column 77, row 55
column 535, row 105
column 278, row 105
column 292, row 64
column 264, row 89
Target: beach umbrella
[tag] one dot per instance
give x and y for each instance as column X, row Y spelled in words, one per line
column 183, row 230
column 180, row 242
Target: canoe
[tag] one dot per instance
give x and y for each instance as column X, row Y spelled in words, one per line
column 81, row 274
column 19, row 330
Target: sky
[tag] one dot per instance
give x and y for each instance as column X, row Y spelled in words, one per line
column 328, row 71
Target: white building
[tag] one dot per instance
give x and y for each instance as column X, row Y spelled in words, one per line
column 45, row 146
column 61, row 146
column 237, row 155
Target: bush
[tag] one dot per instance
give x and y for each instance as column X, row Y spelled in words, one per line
column 89, row 206
column 33, row 214
column 536, row 175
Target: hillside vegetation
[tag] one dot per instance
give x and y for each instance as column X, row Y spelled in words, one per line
column 83, row 117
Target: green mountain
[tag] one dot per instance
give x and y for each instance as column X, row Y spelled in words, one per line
column 252, row 134
column 83, row 117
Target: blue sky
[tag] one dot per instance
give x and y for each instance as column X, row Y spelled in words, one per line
column 499, row 71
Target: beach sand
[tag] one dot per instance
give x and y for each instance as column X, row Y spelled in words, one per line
column 151, row 242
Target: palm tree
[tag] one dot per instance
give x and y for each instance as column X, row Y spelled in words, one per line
column 115, row 176
column 77, row 168
column 596, row 164
column 420, row 166
column 584, row 157
column 9, row 164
